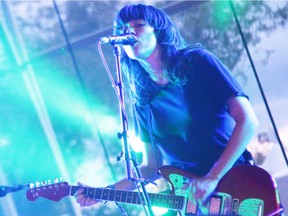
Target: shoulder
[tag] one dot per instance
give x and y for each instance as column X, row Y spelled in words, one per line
column 197, row 51
column 192, row 50
column 195, row 55
column 191, row 61
column 191, row 56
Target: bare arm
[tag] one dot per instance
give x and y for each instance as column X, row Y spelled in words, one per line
column 246, row 124
column 148, row 172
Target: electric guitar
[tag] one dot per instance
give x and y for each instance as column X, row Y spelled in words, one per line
column 245, row 190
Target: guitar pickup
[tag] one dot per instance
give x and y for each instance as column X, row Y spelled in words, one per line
column 220, row 204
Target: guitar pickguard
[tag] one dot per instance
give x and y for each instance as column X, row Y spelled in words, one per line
column 219, row 204
column 251, row 207
column 179, row 182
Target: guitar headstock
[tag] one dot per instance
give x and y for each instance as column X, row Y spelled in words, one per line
column 54, row 192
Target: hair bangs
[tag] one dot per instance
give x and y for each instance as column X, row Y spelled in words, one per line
column 155, row 17
column 128, row 13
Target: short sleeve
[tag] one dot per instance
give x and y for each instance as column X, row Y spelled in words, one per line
column 215, row 77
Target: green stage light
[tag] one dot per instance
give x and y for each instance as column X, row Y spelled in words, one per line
column 136, row 144
column 158, row 211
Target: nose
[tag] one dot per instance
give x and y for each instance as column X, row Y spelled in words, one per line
column 129, row 30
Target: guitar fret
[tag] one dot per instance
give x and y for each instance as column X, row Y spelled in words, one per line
column 111, row 194
column 180, row 202
column 105, row 194
column 155, row 200
column 172, row 201
column 134, row 197
column 175, row 201
column 129, row 197
column 123, row 196
column 98, row 193
column 160, row 200
column 165, row 201
column 118, row 196
column 138, row 201
column 72, row 190
column 90, row 192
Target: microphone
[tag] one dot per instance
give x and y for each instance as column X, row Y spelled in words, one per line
column 127, row 39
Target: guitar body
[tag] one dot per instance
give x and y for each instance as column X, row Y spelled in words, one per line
column 242, row 182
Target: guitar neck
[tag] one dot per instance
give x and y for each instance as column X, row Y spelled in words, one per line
column 169, row 201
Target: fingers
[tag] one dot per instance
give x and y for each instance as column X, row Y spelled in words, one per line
column 79, row 196
column 201, row 190
column 78, row 192
column 81, row 199
column 80, row 184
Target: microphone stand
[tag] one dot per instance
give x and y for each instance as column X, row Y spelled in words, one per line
column 259, row 83
column 127, row 153
column 4, row 189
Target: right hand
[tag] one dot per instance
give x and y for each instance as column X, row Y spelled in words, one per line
column 83, row 200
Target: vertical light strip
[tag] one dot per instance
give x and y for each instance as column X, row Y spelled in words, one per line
column 8, row 206
column 20, row 54
column 37, row 99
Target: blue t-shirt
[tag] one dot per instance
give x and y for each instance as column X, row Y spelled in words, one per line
column 191, row 124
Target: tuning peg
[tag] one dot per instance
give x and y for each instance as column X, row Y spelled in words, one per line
column 31, row 185
column 44, row 183
column 37, row 184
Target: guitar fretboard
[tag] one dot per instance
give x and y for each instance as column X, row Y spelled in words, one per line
column 172, row 202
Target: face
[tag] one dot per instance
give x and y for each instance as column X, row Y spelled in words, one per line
column 146, row 43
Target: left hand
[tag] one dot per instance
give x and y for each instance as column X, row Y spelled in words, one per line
column 82, row 199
